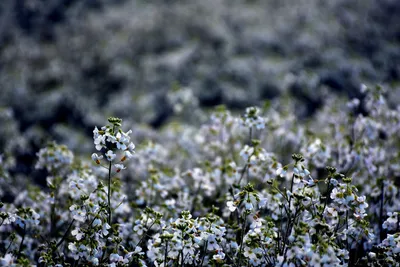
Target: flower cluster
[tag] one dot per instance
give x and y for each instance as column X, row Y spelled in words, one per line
column 111, row 139
column 252, row 118
column 54, row 157
column 251, row 190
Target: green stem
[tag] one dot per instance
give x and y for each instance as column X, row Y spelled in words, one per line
column 5, row 252
column 65, row 234
column 250, row 135
column 204, row 255
column 243, row 172
column 166, row 253
column 289, row 214
column 327, row 198
column 241, row 240
column 22, row 241
column 381, row 233
column 144, row 235
column 109, row 194
column 183, row 245
column 347, row 229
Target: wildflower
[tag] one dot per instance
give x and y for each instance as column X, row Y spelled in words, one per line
column 220, row 256
column 251, row 118
column 127, row 155
column 7, row 260
column 391, row 222
column 54, row 157
column 246, row 152
column 122, row 139
column 281, row 172
column 77, row 213
column 119, row 167
column 131, row 147
column 96, row 158
column 105, row 229
column 96, row 222
column 77, row 233
column 138, row 228
column 212, row 243
column 262, row 203
column 248, row 205
column 114, row 257
column 231, row 206
column 110, row 155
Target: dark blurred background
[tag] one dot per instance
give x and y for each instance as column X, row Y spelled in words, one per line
column 66, row 65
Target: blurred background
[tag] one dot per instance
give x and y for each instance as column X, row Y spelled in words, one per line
column 66, row 65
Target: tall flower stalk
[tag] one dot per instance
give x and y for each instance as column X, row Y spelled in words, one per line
column 116, row 148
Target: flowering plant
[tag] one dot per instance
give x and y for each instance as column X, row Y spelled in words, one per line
column 262, row 189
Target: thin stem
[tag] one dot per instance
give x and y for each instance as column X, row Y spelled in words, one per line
column 5, row 252
column 289, row 214
column 242, row 174
column 144, row 235
column 22, row 241
column 195, row 197
column 204, row 255
column 65, row 234
column 250, row 134
column 182, row 258
column 327, row 196
column 381, row 235
column 53, row 206
column 166, row 253
column 241, row 240
column 347, row 229
column 109, row 194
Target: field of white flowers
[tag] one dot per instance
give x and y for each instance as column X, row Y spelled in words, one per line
column 260, row 188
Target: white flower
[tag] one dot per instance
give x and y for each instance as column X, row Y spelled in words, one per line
column 299, row 170
column 248, row 205
column 372, row 255
column 104, row 231
column 262, row 203
column 10, row 218
column 127, row 155
column 99, row 139
column 77, row 233
column 96, row 222
column 231, row 206
column 114, row 257
column 252, row 118
column 7, row 260
column 138, row 228
column 111, row 138
column 212, row 243
column 110, row 155
column 96, row 158
column 121, row 140
column 246, row 152
column 94, row 261
column 131, row 147
column 281, row 172
column 78, row 214
column 72, row 247
column 220, row 256
column 119, row 167
column 334, row 182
